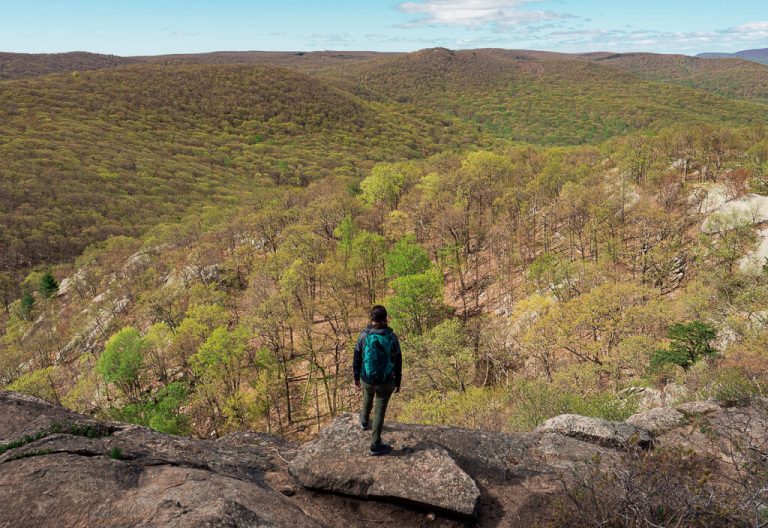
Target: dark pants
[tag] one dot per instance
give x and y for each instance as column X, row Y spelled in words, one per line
column 382, row 393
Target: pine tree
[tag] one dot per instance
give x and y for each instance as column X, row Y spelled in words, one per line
column 48, row 285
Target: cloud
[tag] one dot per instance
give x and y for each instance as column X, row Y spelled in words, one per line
column 475, row 13
column 752, row 27
column 727, row 39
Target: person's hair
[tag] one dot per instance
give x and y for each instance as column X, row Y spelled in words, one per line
column 379, row 314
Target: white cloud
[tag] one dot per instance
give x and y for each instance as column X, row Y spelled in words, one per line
column 475, row 13
column 728, row 39
column 760, row 27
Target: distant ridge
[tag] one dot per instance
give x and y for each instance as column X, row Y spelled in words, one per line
column 19, row 65
column 754, row 55
column 731, row 76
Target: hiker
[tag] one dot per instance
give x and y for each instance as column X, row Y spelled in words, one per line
column 377, row 366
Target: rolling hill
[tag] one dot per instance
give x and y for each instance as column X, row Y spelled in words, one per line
column 89, row 154
column 93, row 154
column 756, row 55
column 551, row 100
column 19, row 65
column 730, row 77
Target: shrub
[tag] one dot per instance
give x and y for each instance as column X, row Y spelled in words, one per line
column 728, row 386
column 666, row 487
column 161, row 412
column 521, row 407
column 39, row 383
column 475, row 408
column 536, row 401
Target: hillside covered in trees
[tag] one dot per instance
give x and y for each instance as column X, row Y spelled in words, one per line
column 525, row 282
column 95, row 154
column 194, row 247
column 92, row 154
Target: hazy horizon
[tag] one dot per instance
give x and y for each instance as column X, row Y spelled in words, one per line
column 570, row 26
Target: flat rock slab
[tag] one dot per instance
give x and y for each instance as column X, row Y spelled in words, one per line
column 604, row 432
column 417, row 471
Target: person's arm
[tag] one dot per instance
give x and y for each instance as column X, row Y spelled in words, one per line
column 357, row 359
column 398, row 365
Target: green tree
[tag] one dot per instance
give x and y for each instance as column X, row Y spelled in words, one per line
column 121, row 362
column 220, row 358
column 161, row 411
column 384, row 185
column 689, row 342
column 442, row 359
column 367, row 261
column 406, row 258
column 48, row 285
column 200, row 321
column 345, row 232
column 26, row 303
column 417, row 302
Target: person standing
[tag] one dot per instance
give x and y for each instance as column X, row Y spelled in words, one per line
column 377, row 366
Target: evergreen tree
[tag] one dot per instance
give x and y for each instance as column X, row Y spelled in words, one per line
column 48, row 285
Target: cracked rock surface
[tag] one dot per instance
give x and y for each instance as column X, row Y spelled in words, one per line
column 58, row 468
column 61, row 469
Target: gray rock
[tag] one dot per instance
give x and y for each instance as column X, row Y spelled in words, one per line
column 652, row 398
column 698, row 407
column 657, row 421
column 603, row 432
column 416, row 472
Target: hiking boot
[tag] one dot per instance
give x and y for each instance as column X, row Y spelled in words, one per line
column 365, row 426
column 379, row 449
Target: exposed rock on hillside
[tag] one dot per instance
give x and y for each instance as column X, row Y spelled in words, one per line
column 751, row 209
column 55, row 464
column 603, row 432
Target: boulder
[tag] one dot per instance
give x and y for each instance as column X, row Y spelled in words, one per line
column 657, row 421
column 753, row 262
column 699, row 407
column 751, row 209
column 603, row 432
column 417, row 472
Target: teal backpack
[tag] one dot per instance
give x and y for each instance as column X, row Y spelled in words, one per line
column 378, row 364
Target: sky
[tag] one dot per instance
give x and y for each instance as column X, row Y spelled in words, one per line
column 153, row 27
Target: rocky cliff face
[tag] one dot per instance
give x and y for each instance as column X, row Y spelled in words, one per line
column 58, row 468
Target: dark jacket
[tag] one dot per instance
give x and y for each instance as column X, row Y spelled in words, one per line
column 357, row 362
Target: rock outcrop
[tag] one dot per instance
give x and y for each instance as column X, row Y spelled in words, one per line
column 604, row 432
column 418, row 471
column 58, row 468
